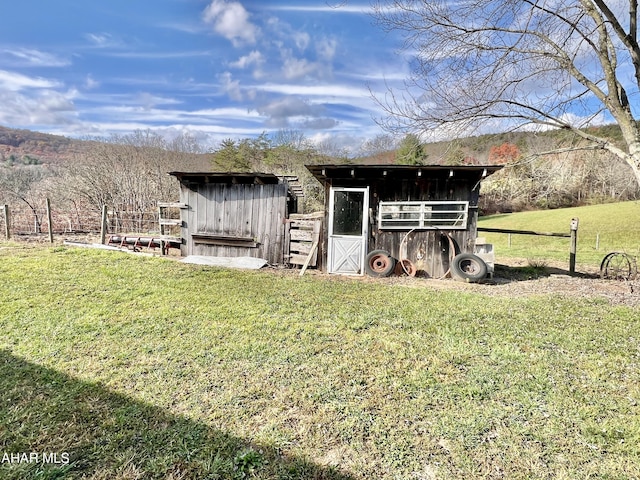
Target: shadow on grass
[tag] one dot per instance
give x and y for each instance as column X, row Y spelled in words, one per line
column 510, row 273
column 53, row 426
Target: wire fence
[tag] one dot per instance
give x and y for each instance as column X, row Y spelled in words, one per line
column 26, row 221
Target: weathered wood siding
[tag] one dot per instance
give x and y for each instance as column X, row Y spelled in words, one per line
column 428, row 250
column 234, row 220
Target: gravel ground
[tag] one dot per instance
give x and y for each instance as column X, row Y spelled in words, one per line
column 515, row 280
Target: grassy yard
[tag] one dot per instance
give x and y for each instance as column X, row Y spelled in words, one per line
column 140, row 367
column 616, row 224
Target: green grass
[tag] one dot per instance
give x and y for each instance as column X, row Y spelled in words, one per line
column 616, row 224
column 146, row 368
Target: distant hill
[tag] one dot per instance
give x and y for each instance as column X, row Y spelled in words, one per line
column 55, row 149
column 45, row 147
column 27, row 147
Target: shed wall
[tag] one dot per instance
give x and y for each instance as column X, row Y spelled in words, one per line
column 234, row 220
column 428, row 250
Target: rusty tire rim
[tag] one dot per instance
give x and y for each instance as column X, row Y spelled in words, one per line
column 409, row 268
column 405, row 267
column 380, row 263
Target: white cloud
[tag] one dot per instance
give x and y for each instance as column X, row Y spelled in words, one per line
column 295, row 68
column 327, row 7
column 318, row 123
column 101, row 39
column 326, row 48
column 317, row 90
column 231, row 20
column 231, row 87
column 148, row 101
column 160, row 55
column 287, row 107
column 15, row 82
column 297, row 113
column 35, row 58
column 253, row 58
column 90, row 83
column 301, row 40
column 46, row 108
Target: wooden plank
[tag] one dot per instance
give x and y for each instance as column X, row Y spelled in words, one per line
column 307, row 216
column 172, row 205
column 247, row 214
column 7, row 219
column 168, row 221
column 231, row 210
column 303, row 248
column 302, row 235
column 277, row 227
column 260, row 216
column 216, row 236
column 303, row 224
column 296, row 259
column 286, row 247
column 200, row 222
column 308, row 260
column 223, row 241
column 302, row 242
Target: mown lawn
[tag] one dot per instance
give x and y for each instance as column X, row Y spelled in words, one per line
column 602, row 229
column 141, row 367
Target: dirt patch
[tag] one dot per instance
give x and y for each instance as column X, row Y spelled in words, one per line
column 586, row 287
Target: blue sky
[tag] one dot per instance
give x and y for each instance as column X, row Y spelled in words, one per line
column 214, row 68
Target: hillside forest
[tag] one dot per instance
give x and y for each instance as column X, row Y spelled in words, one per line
column 129, row 173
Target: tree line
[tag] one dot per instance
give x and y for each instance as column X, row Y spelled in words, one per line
column 129, row 173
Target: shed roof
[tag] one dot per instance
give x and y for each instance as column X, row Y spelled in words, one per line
column 227, row 177
column 247, row 178
column 327, row 172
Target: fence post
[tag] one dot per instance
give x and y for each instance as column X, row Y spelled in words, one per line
column 49, row 221
column 103, row 225
column 7, row 228
column 574, row 245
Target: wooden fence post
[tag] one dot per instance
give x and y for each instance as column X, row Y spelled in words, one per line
column 103, row 225
column 574, row 245
column 7, row 228
column 49, row 221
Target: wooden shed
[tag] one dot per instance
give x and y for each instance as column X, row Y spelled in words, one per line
column 422, row 215
column 234, row 214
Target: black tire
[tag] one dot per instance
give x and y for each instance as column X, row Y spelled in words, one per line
column 379, row 263
column 468, row 267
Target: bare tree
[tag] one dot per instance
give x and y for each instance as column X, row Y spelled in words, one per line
column 507, row 64
column 378, row 145
column 19, row 183
column 127, row 173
